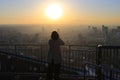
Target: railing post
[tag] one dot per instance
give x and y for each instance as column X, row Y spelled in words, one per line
column 15, row 49
column 111, row 72
column 84, row 70
column 99, row 58
column 41, row 52
column 69, row 55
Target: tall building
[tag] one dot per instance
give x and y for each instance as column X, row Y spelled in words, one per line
column 105, row 30
column 118, row 28
column 95, row 29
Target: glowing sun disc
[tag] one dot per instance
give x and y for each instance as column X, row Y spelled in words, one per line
column 54, row 11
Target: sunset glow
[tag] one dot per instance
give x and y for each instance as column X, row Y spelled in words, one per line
column 60, row 12
column 54, row 11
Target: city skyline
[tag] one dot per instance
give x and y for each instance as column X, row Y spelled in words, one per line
column 74, row 12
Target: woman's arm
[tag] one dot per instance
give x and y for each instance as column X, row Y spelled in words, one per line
column 61, row 42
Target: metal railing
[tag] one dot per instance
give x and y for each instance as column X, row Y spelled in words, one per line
column 108, row 73
column 108, row 58
column 74, row 58
column 107, row 65
column 72, row 55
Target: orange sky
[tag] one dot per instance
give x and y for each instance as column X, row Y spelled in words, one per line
column 73, row 13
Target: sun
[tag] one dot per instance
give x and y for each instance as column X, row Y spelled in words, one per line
column 54, row 11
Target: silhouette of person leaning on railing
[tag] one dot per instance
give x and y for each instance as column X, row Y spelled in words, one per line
column 54, row 57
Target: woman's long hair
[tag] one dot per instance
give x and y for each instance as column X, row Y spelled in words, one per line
column 54, row 35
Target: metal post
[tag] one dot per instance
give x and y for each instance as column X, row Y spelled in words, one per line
column 84, row 70
column 69, row 55
column 15, row 49
column 41, row 53
column 111, row 72
column 99, row 56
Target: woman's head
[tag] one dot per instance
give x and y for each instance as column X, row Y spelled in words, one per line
column 54, row 35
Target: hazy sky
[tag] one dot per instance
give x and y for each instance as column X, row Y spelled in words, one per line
column 74, row 12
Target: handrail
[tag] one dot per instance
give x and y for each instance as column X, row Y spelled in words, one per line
column 104, row 67
column 37, row 44
column 23, row 57
column 38, row 60
column 87, row 62
column 112, row 73
column 109, row 47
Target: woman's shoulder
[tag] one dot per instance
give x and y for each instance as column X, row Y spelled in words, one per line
column 50, row 40
column 60, row 39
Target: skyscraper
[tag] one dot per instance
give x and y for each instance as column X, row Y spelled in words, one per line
column 105, row 30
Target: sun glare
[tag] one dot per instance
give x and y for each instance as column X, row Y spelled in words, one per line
column 54, row 11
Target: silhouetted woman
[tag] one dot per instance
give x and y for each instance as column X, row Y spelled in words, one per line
column 54, row 56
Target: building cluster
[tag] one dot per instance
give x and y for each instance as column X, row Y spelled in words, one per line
column 104, row 35
column 90, row 35
column 12, row 36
